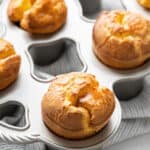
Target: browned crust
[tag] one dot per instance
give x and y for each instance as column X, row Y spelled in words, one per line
column 76, row 107
column 40, row 16
column 144, row 3
column 121, row 39
column 10, row 70
column 16, row 9
column 70, row 134
column 9, row 64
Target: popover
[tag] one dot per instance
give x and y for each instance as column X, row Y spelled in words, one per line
column 9, row 64
column 38, row 16
column 121, row 39
column 76, row 106
column 144, row 3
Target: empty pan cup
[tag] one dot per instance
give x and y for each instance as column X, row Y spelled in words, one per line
column 91, row 8
column 48, row 59
column 14, row 115
column 129, row 88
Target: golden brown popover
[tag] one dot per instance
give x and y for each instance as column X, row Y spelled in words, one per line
column 9, row 64
column 76, row 106
column 144, row 3
column 38, row 16
column 121, row 39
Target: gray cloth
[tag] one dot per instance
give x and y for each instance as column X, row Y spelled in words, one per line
column 135, row 121
column 135, row 116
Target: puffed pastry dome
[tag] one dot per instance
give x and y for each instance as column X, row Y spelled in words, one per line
column 76, row 106
column 38, row 16
column 144, row 3
column 9, row 64
column 121, row 39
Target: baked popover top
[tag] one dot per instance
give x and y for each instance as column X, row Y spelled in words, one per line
column 76, row 106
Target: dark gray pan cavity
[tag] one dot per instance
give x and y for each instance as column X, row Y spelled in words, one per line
column 130, row 87
column 54, row 58
column 91, row 8
column 12, row 113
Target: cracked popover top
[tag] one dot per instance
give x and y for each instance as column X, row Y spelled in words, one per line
column 76, row 106
column 38, row 16
column 121, row 39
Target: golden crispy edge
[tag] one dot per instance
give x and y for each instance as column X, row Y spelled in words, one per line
column 9, row 68
column 62, row 130
column 99, row 51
